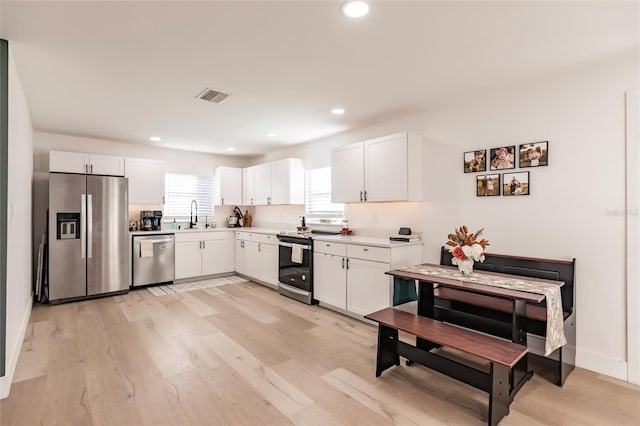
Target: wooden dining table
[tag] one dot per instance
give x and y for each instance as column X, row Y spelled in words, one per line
column 430, row 276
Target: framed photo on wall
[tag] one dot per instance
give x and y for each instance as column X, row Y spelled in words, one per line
column 534, row 154
column 515, row 183
column 503, row 158
column 488, row 185
column 475, row 161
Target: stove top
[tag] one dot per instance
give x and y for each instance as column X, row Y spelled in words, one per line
column 296, row 234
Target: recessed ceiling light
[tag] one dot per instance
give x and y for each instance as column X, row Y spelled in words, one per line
column 155, row 138
column 337, row 111
column 272, row 134
column 230, row 149
column 355, row 9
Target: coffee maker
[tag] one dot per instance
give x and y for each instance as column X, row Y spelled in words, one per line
column 146, row 220
column 156, row 220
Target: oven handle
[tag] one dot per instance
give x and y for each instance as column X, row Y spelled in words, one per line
column 291, row 245
column 294, row 289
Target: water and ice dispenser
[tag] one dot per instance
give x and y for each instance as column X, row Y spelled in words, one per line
column 68, row 226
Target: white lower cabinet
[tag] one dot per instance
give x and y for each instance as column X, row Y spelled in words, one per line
column 369, row 288
column 258, row 256
column 204, row 253
column 330, row 279
column 351, row 277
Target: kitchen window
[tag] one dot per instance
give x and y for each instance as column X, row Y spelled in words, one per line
column 180, row 189
column 318, row 205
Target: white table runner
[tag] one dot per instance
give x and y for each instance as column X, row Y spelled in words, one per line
column 555, row 322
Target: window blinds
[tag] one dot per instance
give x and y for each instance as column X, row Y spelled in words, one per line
column 181, row 189
column 318, row 203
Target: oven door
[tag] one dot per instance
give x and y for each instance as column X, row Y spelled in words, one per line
column 295, row 274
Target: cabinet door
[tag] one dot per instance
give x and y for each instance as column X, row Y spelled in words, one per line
column 347, row 173
column 368, row 288
column 287, row 181
column 146, row 181
column 251, row 259
column 106, row 165
column 386, row 168
column 214, row 256
column 188, row 259
column 68, row 162
column 239, row 256
column 330, row 279
column 262, row 184
column 268, row 263
column 247, row 186
column 228, row 186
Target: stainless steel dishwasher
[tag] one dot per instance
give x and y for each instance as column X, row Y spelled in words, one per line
column 153, row 259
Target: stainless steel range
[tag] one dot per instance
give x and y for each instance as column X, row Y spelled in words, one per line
column 295, row 266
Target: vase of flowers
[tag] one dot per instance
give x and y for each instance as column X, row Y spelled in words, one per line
column 466, row 249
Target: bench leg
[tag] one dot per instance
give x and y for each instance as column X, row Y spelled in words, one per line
column 520, row 372
column 499, row 394
column 387, row 349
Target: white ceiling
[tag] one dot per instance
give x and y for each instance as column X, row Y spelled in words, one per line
column 129, row 70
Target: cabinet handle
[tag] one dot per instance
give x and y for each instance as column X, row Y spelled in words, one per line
column 252, row 201
column 204, row 244
column 361, row 196
column 343, row 263
column 86, row 168
column 365, row 195
column 92, row 168
column 347, row 263
column 365, row 249
column 259, row 246
column 222, row 201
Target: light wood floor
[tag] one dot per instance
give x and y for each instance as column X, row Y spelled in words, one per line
column 243, row 355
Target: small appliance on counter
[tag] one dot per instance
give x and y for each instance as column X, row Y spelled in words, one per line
column 235, row 220
column 150, row 220
column 156, row 221
column 345, row 228
column 404, row 235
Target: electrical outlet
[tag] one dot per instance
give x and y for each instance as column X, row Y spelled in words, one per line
column 374, row 218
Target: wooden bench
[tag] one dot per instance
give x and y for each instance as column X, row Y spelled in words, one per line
column 502, row 355
column 493, row 315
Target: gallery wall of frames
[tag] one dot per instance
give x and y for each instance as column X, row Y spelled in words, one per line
column 514, row 183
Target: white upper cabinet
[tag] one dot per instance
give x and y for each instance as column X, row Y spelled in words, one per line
column 247, row 186
column 347, row 173
column 287, row 182
column 106, row 165
column 228, row 186
column 279, row 182
column 262, row 184
column 146, row 180
column 79, row 162
column 382, row 169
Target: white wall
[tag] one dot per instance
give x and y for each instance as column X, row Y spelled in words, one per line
column 20, row 174
column 576, row 206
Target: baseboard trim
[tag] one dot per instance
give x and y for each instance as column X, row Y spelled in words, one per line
column 601, row 364
column 12, row 359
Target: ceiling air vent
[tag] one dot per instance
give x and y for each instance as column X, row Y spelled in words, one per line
column 211, row 95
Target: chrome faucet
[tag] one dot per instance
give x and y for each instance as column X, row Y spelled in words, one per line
column 192, row 224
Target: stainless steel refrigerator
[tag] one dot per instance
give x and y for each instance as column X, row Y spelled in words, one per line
column 88, row 236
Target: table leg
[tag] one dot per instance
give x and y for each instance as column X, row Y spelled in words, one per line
column 520, row 372
column 426, row 303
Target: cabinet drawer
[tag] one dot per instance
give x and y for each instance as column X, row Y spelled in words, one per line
column 338, row 249
column 251, row 236
column 189, row 236
column 268, row 239
column 377, row 254
column 214, row 235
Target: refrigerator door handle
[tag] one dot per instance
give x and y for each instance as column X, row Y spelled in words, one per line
column 83, row 224
column 89, row 225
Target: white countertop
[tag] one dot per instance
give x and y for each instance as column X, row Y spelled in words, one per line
column 221, row 229
column 367, row 241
